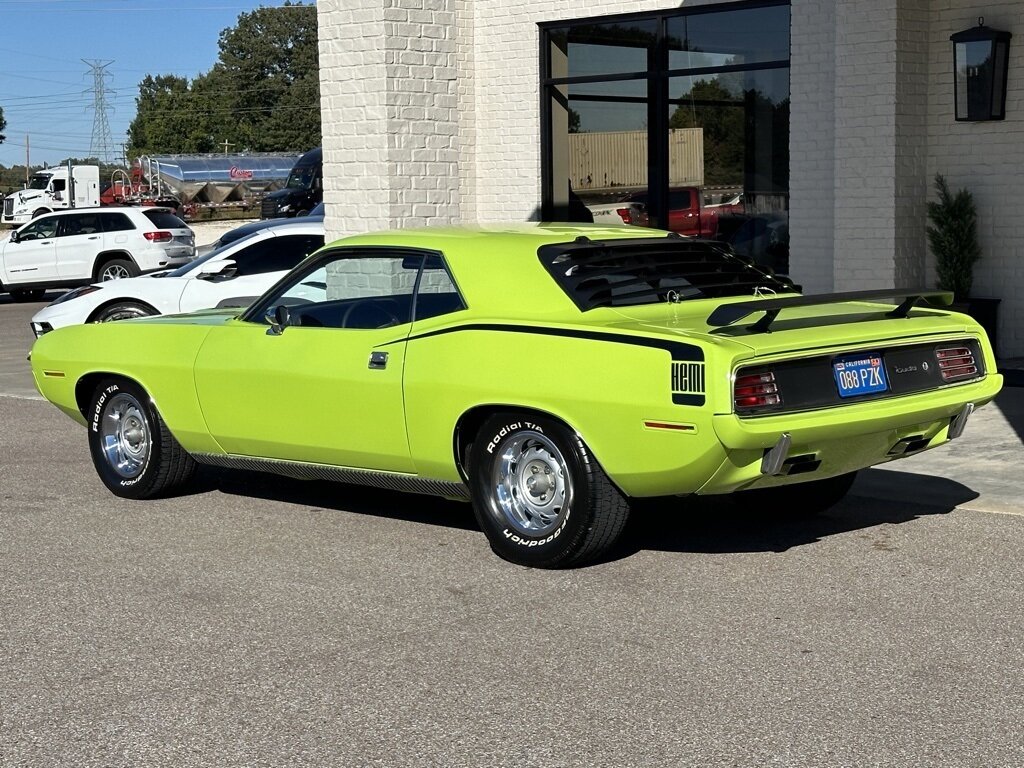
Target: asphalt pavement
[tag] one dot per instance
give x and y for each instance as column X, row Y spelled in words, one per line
column 261, row 621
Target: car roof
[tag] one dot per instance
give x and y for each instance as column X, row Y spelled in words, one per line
column 255, row 226
column 497, row 268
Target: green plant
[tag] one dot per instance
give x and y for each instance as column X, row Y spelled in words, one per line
column 953, row 237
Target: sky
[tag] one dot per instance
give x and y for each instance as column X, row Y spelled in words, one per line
column 46, row 88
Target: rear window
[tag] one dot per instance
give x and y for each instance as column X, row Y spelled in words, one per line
column 165, row 220
column 620, row 273
column 115, row 222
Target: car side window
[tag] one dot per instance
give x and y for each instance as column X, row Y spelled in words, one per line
column 275, row 254
column 115, row 222
column 351, row 290
column 437, row 294
column 677, row 200
column 79, row 224
column 40, row 229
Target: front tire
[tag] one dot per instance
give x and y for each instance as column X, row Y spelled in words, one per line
column 116, row 269
column 540, row 496
column 134, row 453
column 124, row 310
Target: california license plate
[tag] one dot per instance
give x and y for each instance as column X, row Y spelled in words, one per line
column 860, row 375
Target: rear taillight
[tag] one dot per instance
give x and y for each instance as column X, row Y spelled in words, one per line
column 956, row 363
column 626, row 214
column 756, row 390
column 158, row 237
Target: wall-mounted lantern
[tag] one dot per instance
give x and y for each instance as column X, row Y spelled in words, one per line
column 981, row 58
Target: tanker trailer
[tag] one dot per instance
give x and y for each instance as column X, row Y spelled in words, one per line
column 212, row 181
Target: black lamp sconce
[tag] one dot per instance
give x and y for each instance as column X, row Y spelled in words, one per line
column 981, row 60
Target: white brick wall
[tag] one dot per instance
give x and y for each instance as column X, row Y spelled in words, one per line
column 986, row 158
column 812, row 137
column 865, row 144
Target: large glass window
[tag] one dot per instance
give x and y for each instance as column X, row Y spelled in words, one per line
column 677, row 120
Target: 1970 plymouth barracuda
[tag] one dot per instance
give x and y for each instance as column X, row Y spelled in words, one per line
column 547, row 373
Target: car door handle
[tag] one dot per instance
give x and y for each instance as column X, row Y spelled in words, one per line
column 378, row 360
column 93, row 237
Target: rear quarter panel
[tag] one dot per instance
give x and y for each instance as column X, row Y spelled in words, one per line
column 603, row 390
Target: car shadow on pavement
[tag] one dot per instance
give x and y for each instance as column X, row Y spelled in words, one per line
column 6, row 298
column 1010, row 403
column 708, row 525
column 718, row 525
column 357, row 499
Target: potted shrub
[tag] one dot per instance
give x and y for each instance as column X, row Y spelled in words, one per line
column 953, row 237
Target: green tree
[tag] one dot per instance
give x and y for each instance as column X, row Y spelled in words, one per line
column 3, row 125
column 263, row 94
column 710, row 105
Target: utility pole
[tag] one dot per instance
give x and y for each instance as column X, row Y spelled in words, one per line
column 102, row 145
column 26, row 159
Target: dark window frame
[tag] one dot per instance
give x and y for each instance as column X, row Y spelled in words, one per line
column 658, row 77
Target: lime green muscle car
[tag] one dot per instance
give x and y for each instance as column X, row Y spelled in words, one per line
column 547, row 373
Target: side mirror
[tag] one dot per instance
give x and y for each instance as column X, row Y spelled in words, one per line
column 15, row 237
column 219, row 270
column 58, row 196
column 278, row 317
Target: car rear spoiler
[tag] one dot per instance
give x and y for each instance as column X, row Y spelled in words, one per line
column 728, row 314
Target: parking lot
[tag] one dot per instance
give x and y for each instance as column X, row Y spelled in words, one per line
column 268, row 622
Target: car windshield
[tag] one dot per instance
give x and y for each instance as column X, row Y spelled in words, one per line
column 619, row 273
column 186, row 269
column 301, row 177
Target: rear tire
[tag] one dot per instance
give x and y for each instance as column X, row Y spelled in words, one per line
column 116, row 269
column 540, row 496
column 134, row 453
column 802, row 500
column 124, row 310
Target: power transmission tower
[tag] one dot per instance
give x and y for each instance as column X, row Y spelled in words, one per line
column 102, row 145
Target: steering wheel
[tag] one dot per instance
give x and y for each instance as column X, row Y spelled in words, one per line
column 370, row 307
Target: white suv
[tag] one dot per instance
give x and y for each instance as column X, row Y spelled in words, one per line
column 86, row 245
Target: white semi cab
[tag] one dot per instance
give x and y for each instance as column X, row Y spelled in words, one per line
column 48, row 190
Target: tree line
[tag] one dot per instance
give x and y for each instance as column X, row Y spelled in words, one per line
column 262, row 95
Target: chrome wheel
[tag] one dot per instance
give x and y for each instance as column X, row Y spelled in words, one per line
column 123, row 312
column 125, row 436
column 532, row 488
column 114, row 271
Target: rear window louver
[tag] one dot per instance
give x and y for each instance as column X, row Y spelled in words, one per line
column 651, row 270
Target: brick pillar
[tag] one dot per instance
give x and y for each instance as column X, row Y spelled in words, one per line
column 812, row 140
column 881, row 143
column 388, row 77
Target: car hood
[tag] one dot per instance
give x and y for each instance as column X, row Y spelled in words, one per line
column 199, row 317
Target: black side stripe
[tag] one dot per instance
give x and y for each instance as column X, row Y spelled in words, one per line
column 679, row 351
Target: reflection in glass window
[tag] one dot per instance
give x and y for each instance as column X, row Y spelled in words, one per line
column 695, row 141
column 602, row 49
column 729, row 38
